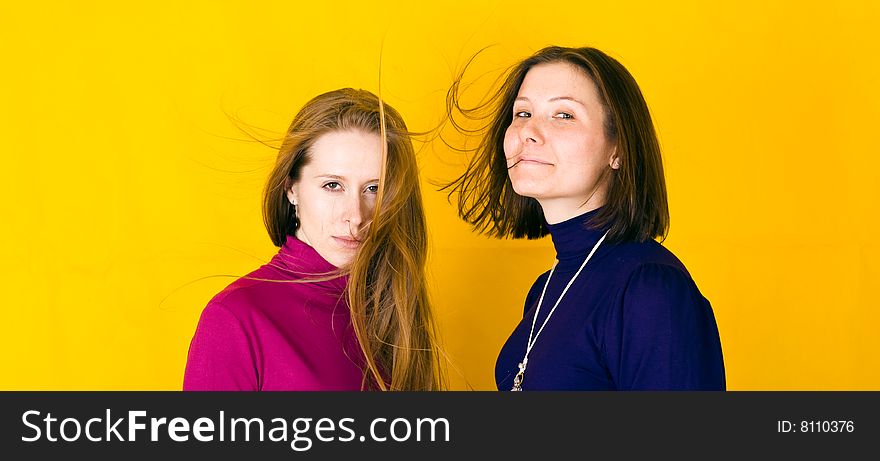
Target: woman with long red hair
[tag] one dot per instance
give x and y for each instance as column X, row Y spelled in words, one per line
column 343, row 305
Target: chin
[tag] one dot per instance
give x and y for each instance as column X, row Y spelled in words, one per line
column 528, row 189
column 337, row 261
column 343, row 258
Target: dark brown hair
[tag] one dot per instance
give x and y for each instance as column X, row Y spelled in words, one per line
column 387, row 292
column 635, row 209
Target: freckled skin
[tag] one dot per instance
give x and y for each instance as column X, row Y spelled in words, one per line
column 556, row 148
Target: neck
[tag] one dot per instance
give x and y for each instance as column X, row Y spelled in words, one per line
column 563, row 209
column 301, row 236
column 573, row 238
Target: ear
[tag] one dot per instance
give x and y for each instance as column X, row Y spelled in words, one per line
column 291, row 195
column 614, row 160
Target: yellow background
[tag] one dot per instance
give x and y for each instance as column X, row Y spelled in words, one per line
column 124, row 182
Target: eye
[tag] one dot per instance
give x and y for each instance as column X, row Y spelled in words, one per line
column 372, row 189
column 564, row 116
column 522, row 114
column 332, row 186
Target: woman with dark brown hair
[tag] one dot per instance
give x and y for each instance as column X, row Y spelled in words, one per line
column 570, row 150
column 343, row 305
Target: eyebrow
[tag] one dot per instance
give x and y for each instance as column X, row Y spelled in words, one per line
column 557, row 98
column 341, row 178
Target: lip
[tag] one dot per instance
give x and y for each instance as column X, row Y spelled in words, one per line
column 527, row 160
column 347, row 242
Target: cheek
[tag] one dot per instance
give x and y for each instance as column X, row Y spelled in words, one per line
column 582, row 151
column 316, row 208
column 370, row 204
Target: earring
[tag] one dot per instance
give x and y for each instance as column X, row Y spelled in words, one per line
column 616, row 164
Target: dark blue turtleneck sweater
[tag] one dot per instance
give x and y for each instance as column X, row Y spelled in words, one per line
column 632, row 320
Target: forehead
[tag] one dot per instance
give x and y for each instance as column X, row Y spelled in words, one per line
column 558, row 79
column 353, row 153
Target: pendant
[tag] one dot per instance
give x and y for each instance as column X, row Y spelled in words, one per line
column 518, row 379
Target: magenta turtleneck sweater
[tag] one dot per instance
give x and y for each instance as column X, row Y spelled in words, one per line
column 264, row 333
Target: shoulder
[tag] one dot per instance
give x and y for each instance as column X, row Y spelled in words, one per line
column 658, row 292
column 219, row 323
column 221, row 352
column 535, row 290
column 635, row 257
column 246, row 294
column 654, row 285
column 660, row 285
column 660, row 333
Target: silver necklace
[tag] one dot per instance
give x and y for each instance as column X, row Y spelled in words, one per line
column 518, row 379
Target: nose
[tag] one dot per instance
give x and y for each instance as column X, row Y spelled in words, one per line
column 531, row 132
column 355, row 209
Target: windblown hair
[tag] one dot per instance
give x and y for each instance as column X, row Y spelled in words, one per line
column 636, row 207
column 387, row 292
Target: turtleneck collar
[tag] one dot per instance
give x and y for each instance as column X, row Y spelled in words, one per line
column 297, row 257
column 572, row 239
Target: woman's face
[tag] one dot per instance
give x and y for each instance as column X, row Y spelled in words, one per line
column 336, row 193
column 556, row 147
